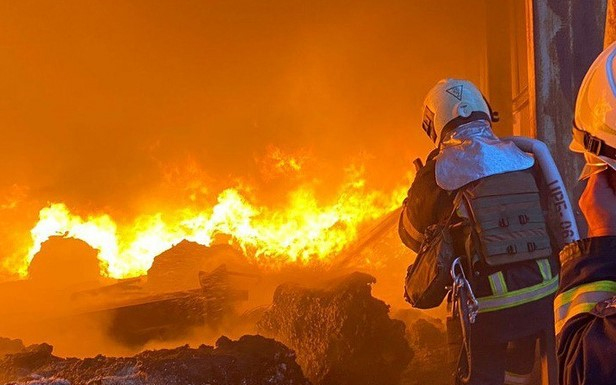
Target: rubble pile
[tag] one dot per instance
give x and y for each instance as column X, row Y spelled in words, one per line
column 428, row 339
column 9, row 346
column 342, row 335
column 187, row 288
column 252, row 360
column 178, row 268
column 66, row 262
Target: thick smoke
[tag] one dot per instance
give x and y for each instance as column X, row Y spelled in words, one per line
column 132, row 107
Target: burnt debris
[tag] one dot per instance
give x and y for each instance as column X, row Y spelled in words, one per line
column 251, row 360
column 342, row 335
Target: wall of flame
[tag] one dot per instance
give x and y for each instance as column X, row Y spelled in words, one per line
column 133, row 125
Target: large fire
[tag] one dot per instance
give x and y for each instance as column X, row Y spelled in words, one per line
column 304, row 231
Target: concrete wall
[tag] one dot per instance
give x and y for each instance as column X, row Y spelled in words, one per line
column 567, row 36
column 610, row 23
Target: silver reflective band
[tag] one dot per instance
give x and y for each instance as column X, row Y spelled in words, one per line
column 517, row 379
column 497, row 283
column 581, row 299
column 544, row 268
column 410, row 229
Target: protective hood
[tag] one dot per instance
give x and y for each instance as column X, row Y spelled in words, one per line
column 471, row 152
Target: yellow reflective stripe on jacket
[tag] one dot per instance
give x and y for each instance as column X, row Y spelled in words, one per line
column 581, row 299
column 517, row 379
column 518, row 297
column 497, row 283
column 545, row 268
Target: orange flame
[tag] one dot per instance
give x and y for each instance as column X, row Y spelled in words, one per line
column 303, row 232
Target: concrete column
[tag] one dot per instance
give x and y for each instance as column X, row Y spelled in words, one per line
column 610, row 23
column 567, row 36
column 499, row 64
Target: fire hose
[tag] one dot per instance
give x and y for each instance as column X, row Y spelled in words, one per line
column 464, row 306
column 567, row 225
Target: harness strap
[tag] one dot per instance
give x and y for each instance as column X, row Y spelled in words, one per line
column 497, row 283
column 545, row 268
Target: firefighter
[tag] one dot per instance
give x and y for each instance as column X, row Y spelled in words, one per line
column 513, row 280
column 585, row 306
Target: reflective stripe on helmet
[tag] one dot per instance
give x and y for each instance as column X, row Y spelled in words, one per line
column 580, row 299
column 518, row 297
column 610, row 73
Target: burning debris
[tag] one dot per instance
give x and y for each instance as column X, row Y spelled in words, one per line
column 65, row 303
column 194, row 293
column 252, row 360
column 342, row 335
column 148, row 312
column 177, row 268
column 272, row 236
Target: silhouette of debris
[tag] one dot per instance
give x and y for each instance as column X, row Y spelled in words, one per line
column 342, row 335
column 252, row 360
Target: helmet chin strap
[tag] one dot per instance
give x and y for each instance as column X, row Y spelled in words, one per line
column 592, row 144
column 494, row 116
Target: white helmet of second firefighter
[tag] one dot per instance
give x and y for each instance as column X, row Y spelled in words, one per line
column 594, row 132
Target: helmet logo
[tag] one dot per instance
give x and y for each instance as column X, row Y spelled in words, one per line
column 428, row 123
column 456, row 92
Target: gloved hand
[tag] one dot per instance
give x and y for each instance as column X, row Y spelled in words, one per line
column 598, row 204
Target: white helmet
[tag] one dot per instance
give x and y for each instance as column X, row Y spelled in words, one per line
column 450, row 103
column 594, row 131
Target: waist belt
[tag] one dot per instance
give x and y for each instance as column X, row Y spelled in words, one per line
column 503, row 300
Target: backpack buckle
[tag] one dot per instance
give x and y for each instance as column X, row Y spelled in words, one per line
column 523, row 219
column 503, row 222
column 511, row 249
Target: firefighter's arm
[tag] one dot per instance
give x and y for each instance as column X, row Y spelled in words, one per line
column 409, row 234
column 585, row 312
column 418, row 209
column 585, row 306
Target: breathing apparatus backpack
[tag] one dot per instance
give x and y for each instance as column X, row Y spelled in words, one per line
column 505, row 219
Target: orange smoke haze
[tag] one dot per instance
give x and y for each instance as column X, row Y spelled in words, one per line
column 286, row 124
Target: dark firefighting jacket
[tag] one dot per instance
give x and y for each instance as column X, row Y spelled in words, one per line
column 515, row 300
column 585, row 313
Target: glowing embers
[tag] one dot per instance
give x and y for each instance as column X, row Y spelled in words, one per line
column 303, row 231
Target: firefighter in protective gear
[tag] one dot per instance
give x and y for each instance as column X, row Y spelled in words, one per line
column 514, row 287
column 594, row 131
column 585, row 306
